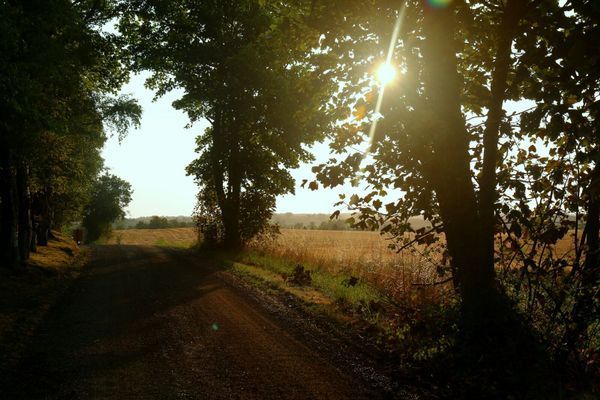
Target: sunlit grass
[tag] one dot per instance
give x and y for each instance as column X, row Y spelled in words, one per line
column 331, row 285
column 391, row 299
column 172, row 237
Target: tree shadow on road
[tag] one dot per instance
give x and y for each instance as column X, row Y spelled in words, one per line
column 111, row 325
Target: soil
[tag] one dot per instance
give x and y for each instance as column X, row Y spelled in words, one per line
column 156, row 323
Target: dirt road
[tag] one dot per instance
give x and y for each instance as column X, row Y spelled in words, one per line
column 153, row 323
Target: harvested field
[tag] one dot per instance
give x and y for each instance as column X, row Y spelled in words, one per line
column 173, row 237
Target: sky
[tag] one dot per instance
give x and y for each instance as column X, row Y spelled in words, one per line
column 153, row 159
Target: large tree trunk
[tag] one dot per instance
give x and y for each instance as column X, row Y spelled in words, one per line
column 233, row 237
column 8, row 213
column 591, row 273
column 450, row 173
column 34, row 232
column 228, row 201
column 24, row 212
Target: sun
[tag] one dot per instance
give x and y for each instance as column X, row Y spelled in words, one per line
column 386, row 73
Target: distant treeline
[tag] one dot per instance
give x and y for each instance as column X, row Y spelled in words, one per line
column 154, row 222
column 323, row 222
column 310, row 221
column 330, row 225
column 283, row 220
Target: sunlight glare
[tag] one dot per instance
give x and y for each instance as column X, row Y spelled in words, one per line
column 386, row 73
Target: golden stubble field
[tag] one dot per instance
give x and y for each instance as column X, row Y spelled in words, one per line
column 176, row 237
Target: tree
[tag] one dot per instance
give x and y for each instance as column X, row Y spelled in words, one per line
column 110, row 196
column 555, row 182
column 157, row 222
column 424, row 146
column 245, row 67
column 481, row 175
column 59, row 74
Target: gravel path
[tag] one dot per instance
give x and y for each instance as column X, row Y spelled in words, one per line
column 153, row 323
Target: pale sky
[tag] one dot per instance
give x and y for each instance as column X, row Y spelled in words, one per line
column 153, row 159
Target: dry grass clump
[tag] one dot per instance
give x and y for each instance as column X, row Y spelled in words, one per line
column 172, row 237
column 365, row 255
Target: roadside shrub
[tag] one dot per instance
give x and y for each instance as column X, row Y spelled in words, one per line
column 300, row 276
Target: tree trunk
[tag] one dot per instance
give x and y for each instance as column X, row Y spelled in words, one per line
column 487, row 194
column 450, row 173
column 8, row 213
column 44, row 221
column 583, row 313
column 233, row 237
column 228, row 201
column 34, row 232
column 591, row 273
column 24, row 212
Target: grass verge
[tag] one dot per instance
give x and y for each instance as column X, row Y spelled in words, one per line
column 338, row 288
column 413, row 331
column 26, row 296
column 343, row 298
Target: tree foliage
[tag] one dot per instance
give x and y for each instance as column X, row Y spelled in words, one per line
column 501, row 186
column 110, row 195
column 59, row 75
column 245, row 66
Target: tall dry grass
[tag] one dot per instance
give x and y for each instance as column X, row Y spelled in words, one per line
column 365, row 255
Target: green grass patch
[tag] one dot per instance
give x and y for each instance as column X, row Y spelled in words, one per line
column 272, row 281
column 333, row 286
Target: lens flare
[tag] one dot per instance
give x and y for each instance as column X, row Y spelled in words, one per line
column 386, row 73
column 439, row 3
